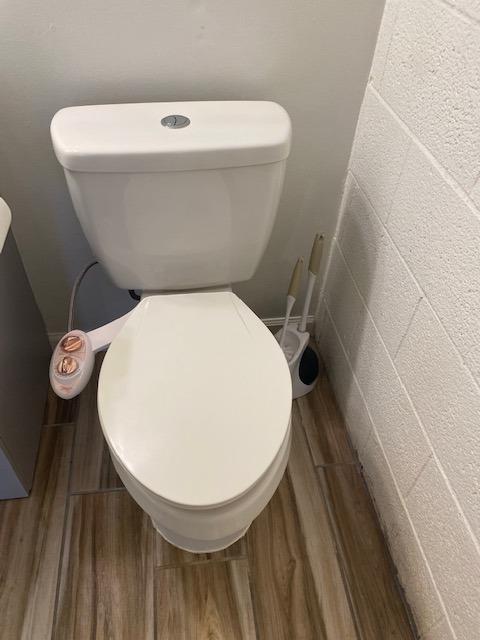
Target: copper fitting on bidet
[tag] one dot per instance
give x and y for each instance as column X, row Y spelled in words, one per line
column 72, row 343
column 67, row 366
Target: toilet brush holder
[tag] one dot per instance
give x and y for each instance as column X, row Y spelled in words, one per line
column 302, row 359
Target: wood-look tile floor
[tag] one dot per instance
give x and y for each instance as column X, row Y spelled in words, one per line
column 80, row 560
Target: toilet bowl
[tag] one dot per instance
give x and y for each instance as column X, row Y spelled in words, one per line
column 194, row 394
column 194, row 400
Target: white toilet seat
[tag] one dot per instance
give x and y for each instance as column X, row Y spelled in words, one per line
column 211, row 528
column 194, row 400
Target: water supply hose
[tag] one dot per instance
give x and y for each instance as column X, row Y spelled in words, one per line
column 76, row 284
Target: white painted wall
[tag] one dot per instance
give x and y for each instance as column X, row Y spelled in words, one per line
column 399, row 325
column 312, row 57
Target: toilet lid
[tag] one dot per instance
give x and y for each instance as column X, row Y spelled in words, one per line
column 194, row 397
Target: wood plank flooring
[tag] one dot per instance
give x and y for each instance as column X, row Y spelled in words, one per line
column 324, row 427
column 283, row 588
column 58, row 411
column 366, row 564
column 106, row 585
column 80, row 560
column 30, row 542
column 320, row 544
column 210, row 600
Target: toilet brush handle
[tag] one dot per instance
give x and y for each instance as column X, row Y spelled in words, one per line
column 313, row 267
column 296, row 279
column 302, row 327
column 292, row 296
column 290, row 303
column 316, row 254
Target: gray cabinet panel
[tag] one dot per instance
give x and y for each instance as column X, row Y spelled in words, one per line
column 24, row 357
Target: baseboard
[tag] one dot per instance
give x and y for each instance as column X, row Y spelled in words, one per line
column 278, row 322
column 55, row 336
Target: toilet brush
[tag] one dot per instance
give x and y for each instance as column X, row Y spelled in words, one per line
column 313, row 266
column 302, row 358
column 291, row 297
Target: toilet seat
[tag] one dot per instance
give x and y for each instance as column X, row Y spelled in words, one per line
column 194, row 398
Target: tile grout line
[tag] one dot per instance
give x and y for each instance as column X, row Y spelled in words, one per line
column 66, row 515
column 251, row 589
column 334, row 536
column 407, row 330
column 154, row 584
column 396, row 9
column 304, row 432
column 390, row 560
column 59, row 424
column 310, row 449
column 398, row 181
column 326, row 465
column 199, row 563
column 352, row 449
column 339, row 547
column 209, row 562
column 343, row 561
column 340, row 553
column 96, row 491
column 460, row 13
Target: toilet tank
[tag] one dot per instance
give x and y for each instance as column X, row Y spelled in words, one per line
column 177, row 202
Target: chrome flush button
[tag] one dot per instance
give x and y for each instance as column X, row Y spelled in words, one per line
column 175, row 122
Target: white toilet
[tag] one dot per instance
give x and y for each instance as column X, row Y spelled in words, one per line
column 178, row 200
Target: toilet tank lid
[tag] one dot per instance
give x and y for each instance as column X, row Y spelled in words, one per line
column 132, row 138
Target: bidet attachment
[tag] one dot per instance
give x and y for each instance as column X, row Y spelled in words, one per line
column 72, row 361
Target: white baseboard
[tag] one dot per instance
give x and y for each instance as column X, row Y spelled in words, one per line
column 278, row 322
column 55, row 336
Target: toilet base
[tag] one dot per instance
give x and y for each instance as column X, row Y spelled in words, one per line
column 194, row 545
column 210, row 528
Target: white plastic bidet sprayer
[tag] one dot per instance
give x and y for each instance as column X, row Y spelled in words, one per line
column 72, row 361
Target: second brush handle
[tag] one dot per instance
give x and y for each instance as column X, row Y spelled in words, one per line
column 308, row 297
column 290, row 303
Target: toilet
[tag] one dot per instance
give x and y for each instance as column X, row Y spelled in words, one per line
column 178, row 200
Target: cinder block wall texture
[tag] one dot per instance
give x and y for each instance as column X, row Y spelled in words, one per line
column 399, row 321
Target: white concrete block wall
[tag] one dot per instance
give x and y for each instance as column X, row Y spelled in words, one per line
column 399, row 320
